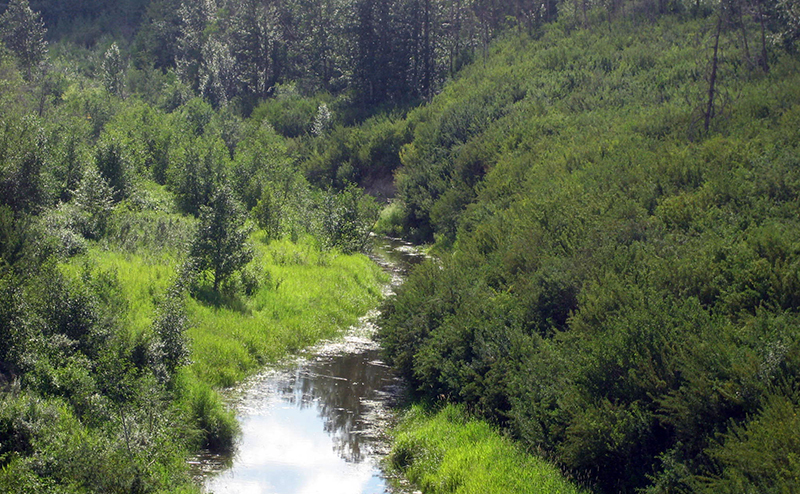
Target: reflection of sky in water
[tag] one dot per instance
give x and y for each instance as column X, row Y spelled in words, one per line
column 304, row 434
column 304, row 429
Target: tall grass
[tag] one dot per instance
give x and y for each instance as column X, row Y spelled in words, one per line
column 447, row 452
column 144, row 279
column 305, row 295
column 292, row 296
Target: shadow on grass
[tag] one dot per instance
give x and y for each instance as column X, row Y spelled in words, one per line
column 220, row 299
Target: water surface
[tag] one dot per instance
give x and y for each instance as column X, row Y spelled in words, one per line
column 316, row 424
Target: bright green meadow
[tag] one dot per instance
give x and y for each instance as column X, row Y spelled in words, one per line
column 305, row 295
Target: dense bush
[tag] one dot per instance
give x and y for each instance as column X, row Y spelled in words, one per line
column 614, row 286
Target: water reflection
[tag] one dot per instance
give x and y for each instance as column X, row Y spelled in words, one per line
column 396, row 256
column 316, row 426
column 342, row 389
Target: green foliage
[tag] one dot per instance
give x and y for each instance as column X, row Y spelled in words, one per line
column 113, row 71
column 263, row 166
column 347, row 220
column 305, row 295
column 622, row 288
column 92, row 202
column 447, row 452
column 170, row 348
column 115, row 160
column 22, row 31
column 87, row 414
column 217, row 426
column 197, row 168
column 220, row 244
column 615, row 289
column 390, row 220
column 267, row 214
column 22, row 172
column 288, row 113
column 366, row 155
column 760, row 456
column 110, row 373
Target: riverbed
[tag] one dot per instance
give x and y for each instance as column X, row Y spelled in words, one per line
column 316, row 423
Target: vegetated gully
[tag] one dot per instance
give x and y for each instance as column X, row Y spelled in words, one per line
column 316, row 424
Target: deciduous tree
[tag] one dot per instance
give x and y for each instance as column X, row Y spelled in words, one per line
column 22, row 31
column 220, row 245
column 114, row 71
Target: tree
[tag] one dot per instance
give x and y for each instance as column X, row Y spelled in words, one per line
column 789, row 12
column 22, row 31
column 157, row 39
column 373, row 70
column 267, row 213
column 194, row 19
column 93, row 201
column 218, row 74
column 114, row 71
column 348, row 217
column 254, row 43
column 170, row 349
column 318, row 41
column 114, row 163
column 23, row 164
column 322, row 122
column 195, row 171
column 220, row 244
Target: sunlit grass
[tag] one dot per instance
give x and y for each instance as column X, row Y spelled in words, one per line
column 447, row 452
column 306, row 295
column 143, row 280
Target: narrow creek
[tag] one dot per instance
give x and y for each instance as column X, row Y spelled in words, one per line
column 316, row 424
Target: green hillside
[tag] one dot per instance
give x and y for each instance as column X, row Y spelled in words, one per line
column 617, row 285
column 610, row 190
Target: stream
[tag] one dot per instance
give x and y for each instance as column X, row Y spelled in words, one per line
column 316, row 424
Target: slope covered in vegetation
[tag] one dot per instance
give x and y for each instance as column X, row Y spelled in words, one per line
column 619, row 265
column 612, row 187
column 153, row 250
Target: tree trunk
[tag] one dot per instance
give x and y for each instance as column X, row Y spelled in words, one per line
column 743, row 28
column 764, row 62
column 712, row 82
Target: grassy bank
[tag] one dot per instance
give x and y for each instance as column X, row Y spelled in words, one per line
column 301, row 296
column 293, row 295
column 447, row 452
column 305, row 295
